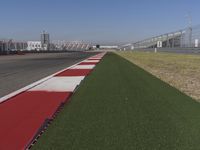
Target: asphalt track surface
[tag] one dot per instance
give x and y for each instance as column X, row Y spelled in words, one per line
column 18, row 71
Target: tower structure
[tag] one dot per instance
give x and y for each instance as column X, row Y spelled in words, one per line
column 45, row 40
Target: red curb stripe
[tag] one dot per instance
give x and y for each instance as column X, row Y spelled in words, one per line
column 75, row 72
column 22, row 116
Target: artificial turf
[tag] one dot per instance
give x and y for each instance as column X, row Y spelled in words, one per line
column 122, row 107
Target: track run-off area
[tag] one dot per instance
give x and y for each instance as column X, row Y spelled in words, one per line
column 118, row 105
column 25, row 114
column 121, row 106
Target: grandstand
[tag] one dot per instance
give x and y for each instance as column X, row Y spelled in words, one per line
column 8, row 46
column 185, row 38
column 71, row 45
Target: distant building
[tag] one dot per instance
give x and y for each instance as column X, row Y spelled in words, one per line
column 34, row 45
column 9, row 46
column 45, row 41
column 5, row 45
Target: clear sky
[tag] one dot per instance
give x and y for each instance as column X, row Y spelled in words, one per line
column 94, row 20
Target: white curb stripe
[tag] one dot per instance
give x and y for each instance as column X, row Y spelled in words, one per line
column 92, row 61
column 84, row 67
column 97, row 57
column 59, row 84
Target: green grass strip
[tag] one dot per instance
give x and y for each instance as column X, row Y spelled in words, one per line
column 122, row 107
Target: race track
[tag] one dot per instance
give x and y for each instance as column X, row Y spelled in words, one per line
column 18, row 71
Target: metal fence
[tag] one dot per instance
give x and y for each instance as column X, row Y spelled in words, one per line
column 185, row 38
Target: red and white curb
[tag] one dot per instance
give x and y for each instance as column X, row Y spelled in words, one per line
column 24, row 112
